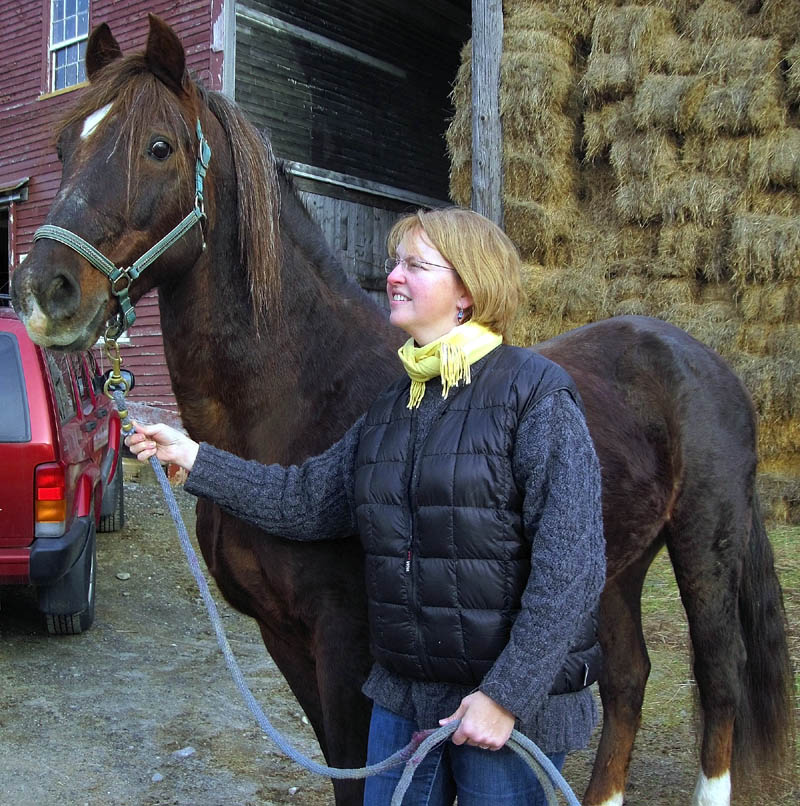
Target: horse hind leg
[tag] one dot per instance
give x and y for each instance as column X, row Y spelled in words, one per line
column 626, row 667
column 706, row 557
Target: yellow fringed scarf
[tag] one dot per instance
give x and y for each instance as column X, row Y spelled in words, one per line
column 449, row 357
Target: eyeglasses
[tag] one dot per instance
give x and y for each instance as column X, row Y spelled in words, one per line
column 412, row 264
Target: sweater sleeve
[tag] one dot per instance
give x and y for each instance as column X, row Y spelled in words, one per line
column 311, row 501
column 556, row 466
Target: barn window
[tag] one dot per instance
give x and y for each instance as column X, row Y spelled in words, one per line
column 69, row 31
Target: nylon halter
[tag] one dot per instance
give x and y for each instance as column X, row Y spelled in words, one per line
column 121, row 278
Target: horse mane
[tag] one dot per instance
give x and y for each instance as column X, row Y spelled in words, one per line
column 130, row 85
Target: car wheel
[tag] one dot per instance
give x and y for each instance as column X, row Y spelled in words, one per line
column 78, row 584
column 116, row 519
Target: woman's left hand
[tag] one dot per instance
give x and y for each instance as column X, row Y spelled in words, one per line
column 484, row 723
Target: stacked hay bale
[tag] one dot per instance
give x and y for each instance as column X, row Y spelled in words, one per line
column 652, row 165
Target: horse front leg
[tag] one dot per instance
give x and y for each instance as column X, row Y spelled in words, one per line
column 342, row 664
column 341, row 736
column 626, row 667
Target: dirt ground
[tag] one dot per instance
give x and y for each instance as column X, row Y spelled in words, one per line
column 141, row 708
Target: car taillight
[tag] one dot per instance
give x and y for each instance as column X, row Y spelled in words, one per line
column 51, row 501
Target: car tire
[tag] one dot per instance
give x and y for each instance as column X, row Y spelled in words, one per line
column 116, row 519
column 79, row 583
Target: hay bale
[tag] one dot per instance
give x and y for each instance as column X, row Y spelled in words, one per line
column 774, row 384
column 535, row 74
column 638, row 201
column 630, row 30
column 608, row 77
column 625, row 43
column 758, row 338
column 751, row 106
column 779, row 494
column 531, row 176
column 567, row 19
column 714, row 324
column 728, row 156
column 765, row 248
column 668, row 299
column 778, row 19
column 793, row 73
column 777, row 303
column 728, row 61
column 717, row 19
column 772, row 202
column 676, row 55
column 700, row 198
column 668, row 102
column 542, row 234
column 652, row 155
column 775, row 160
column 602, row 126
column 694, row 250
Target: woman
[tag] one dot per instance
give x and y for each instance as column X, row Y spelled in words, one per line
column 475, row 488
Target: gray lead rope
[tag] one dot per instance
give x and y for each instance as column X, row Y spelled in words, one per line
column 411, row 755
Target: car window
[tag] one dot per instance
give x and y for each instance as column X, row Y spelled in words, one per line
column 15, row 425
column 58, row 366
column 82, row 381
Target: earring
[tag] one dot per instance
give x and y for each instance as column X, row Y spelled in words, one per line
column 460, row 316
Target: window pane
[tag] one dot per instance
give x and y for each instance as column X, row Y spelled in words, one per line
column 83, row 5
column 58, row 32
column 58, row 9
column 72, row 74
column 14, row 421
column 70, row 8
column 69, row 27
column 59, row 81
column 83, row 23
column 62, row 385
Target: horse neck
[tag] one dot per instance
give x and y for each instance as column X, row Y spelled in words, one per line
column 291, row 386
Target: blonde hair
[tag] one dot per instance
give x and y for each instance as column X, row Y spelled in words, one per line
column 482, row 254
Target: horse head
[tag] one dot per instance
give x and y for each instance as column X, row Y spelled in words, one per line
column 129, row 154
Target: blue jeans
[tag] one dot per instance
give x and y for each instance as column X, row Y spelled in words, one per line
column 478, row 777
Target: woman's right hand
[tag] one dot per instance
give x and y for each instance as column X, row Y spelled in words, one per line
column 166, row 444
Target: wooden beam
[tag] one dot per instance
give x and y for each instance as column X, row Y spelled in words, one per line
column 487, row 135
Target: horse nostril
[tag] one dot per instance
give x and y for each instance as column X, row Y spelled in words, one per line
column 63, row 296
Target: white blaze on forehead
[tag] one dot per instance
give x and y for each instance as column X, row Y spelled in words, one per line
column 93, row 121
column 712, row 792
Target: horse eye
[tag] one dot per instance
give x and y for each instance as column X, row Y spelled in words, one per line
column 160, row 149
column 59, row 153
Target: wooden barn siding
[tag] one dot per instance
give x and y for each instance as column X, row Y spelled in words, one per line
column 28, row 117
column 357, row 233
column 380, row 116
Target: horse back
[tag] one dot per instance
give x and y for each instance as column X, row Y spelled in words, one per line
column 667, row 416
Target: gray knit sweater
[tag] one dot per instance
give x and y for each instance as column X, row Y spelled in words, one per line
column 555, row 463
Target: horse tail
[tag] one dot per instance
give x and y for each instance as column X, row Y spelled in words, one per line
column 764, row 734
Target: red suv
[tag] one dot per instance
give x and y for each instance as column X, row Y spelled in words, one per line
column 60, row 474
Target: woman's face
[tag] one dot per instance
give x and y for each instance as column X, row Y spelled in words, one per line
column 424, row 299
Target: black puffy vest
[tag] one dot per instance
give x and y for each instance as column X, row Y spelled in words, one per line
column 441, row 524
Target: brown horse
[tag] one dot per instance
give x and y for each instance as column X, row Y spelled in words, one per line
column 273, row 354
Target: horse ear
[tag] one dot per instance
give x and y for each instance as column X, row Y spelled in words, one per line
column 101, row 49
column 164, row 54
